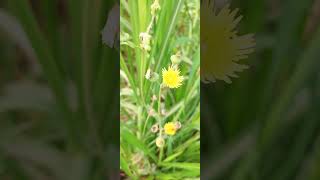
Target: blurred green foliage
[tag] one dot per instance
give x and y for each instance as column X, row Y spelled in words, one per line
column 263, row 126
column 266, row 124
column 59, row 116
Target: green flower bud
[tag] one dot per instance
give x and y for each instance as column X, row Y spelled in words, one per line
column 175, row 59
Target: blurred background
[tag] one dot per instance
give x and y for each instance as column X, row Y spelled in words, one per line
column 59, row 95
column 59, row 91
column 266, row 124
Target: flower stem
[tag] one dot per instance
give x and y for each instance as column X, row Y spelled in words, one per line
column 159, row 102
column 160, row 124
column 160, row 155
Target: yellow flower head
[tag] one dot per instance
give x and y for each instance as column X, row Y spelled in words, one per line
column 221, row 47
column 170, row 128
column 171, row 77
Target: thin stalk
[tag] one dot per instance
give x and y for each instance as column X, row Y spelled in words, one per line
column 159, row 122
column 147, row 120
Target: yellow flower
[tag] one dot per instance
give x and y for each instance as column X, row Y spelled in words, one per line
column 221, row 46
column 170, row 128
column 171, row 77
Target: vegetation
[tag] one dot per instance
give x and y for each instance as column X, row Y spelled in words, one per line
column 160, row 89
column 265, row 125
column 58, row 91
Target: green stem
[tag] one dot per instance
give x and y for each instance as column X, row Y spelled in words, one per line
column 160, row 155
column 147, row 120
column 160, row 124
column 159, row 102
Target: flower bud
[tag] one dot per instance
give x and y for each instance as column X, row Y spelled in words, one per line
column 148, row 74
column 160, row 142
column 155, row 128
column 145, row 39
column 155, row 7
column 154, row 77
column 178, row 125
column 154, row 98
column 152, row 112
column 175, row 59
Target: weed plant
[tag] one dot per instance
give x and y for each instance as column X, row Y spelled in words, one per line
column 160, row 89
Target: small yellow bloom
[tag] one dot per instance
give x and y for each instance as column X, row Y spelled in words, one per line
column 160, row 142
column 170, row 128
column 171, row 77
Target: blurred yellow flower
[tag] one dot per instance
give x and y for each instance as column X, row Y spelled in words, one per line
column 221, row 47
column 170, row 128
column 171, row 77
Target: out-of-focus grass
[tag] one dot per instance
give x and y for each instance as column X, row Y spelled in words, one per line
column 59, row 115
column 266, row 124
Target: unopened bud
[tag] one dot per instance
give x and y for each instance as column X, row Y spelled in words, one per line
column 154, row 77
column 148, row 74
column 175, row 59
column 160, row 142
column 178, row 125
column 155, row 128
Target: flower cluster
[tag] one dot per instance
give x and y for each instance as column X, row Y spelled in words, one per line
column 169, row 129
column 171, row 78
